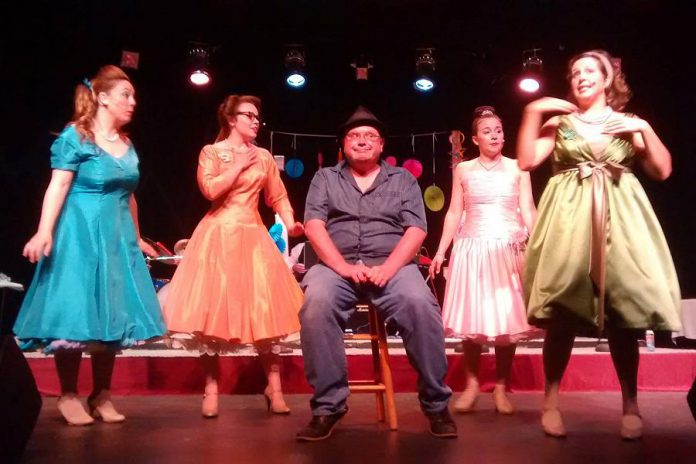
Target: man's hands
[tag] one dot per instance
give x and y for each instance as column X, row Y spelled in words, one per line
column 360, row 274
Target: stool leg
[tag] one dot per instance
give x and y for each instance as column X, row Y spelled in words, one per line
column 377, row 362
column 386, row 374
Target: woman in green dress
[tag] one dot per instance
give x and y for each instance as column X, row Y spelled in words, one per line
column 597, row 256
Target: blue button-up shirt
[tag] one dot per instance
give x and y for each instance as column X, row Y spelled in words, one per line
column 365, row 226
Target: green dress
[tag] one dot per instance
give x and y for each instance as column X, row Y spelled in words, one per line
column 565, row 271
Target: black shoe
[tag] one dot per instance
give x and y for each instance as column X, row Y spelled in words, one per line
column 320, row 427
column 442, row 425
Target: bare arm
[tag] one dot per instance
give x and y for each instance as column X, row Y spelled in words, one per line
column 144, row 246
column 534, row 141
column 452, row 220
column 41, row 243
column 654, row 156
column 527, row 208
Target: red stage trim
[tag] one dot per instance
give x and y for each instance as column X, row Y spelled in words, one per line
column 665, row 370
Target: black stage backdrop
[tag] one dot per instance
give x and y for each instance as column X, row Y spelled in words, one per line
column 48, row 47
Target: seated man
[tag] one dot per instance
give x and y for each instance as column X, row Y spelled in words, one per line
column 366, row 222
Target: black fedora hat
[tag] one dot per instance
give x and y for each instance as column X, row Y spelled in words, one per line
column 362, row 117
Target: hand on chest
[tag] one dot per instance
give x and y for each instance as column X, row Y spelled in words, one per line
column 595, row 137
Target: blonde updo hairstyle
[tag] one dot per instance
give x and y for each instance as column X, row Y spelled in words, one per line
column 227, row 111
column 618, row 92
column 85, row 100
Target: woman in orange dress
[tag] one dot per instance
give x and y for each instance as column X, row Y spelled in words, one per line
column 233, row 286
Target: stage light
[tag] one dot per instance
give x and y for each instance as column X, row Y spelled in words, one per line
column 295, row 66
column 362, row 66
column 425, row 69
column 199, row 57
column 532, row 65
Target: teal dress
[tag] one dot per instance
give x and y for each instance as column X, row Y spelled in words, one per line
column 94, row 288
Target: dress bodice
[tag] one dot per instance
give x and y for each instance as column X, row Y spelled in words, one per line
column 239, row 201
column 572, row 148
column 491, row 205
column 96, row 171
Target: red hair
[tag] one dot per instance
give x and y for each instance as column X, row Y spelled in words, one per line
column 86, row 97
column 227, row 111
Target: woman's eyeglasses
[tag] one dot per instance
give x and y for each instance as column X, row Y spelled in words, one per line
column 250, row 115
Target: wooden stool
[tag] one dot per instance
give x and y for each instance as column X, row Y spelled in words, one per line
column 381, row 385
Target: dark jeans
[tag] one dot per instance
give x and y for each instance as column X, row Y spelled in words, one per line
column 330, row 300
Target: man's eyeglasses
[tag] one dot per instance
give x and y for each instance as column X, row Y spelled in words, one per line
column 369, row 137
column 250, row 115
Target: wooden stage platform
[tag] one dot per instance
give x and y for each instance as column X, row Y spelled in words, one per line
column 155, row 370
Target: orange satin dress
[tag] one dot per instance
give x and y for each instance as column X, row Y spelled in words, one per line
column 233, row 284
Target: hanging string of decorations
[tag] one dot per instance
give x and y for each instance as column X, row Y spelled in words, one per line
column 433, row 196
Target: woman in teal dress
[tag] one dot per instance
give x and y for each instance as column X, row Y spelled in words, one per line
column 597, row 256
column 91, row 290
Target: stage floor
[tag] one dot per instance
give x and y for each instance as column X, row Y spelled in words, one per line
column 169, row 429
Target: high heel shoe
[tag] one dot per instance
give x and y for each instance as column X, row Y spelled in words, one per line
column 209, row 407
column 631, row 427
column 72, row 410
column 552, row 423
column 502, row 402
column 101, row 407
column 467, row 400
column 275, row 402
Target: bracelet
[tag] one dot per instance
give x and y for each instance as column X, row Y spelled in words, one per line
column 439, row 254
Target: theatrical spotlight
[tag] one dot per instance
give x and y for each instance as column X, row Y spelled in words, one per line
column 199, row 57
column 295, row 66
column 425, row 69
column 362, row 66
column 530, row 80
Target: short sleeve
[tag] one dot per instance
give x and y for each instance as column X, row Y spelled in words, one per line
column 66, row 151
column 412, row 208
column 317, row 202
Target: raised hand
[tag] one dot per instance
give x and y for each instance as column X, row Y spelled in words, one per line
column 39, row 245
column 622, row 124
column 245, row 158
column 551, row 105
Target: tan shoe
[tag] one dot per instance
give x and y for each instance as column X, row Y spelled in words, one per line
column 72, row 410
column 501, row 401
column 101, row 407
column 631, row 427
column 552, row 423
column 467, row 400
column 209, row 407
column 275, row 402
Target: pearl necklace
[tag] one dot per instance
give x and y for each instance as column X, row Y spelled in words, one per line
column 112, row 138
column 601, row 119
column 491, row 166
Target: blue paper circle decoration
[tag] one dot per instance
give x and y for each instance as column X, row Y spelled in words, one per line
column 294, row 168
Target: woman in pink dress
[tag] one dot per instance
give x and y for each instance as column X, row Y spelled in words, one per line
column 491, row 213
